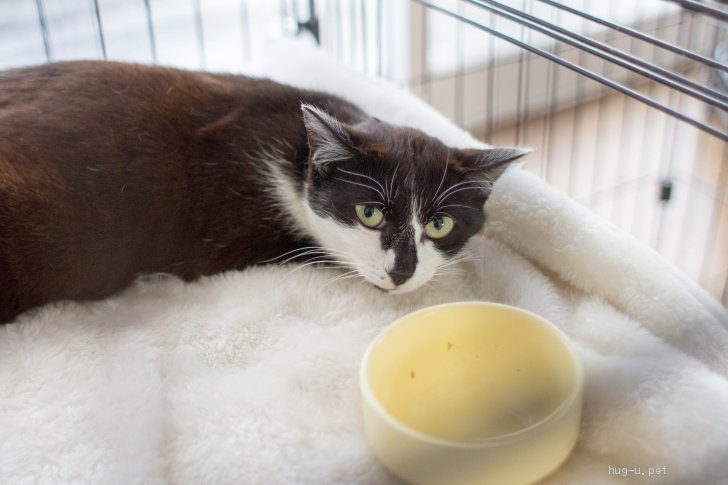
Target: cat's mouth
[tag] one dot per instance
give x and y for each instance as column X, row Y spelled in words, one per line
column 387, row 286
column 393, row 291
column 383, row 285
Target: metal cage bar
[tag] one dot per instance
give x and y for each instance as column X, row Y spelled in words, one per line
column 150, row 31
column 723, row 135
column 608, row 53
column 639, row 35
column 99, row 28
column 43, row 22
column 701, row 8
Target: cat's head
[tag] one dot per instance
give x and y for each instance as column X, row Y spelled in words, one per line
column 392, row 203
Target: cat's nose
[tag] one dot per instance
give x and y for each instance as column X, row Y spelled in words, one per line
column 405, row 261
column 399, row 276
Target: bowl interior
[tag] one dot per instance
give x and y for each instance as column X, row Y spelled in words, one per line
column 471, row 372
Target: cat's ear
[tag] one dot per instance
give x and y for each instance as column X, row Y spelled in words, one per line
column 487, row 165
column 328, row 140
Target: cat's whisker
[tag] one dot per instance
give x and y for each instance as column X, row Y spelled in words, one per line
column 342, row 256
column 440, row 272
column 458, row 260
column 317, row 252
column 454, row 190
column 457, row 205
column 351, row 272
column 345, row 276
column 299, row 266
column 307, row 251
column 458, row 187
column 479, row 187
column 368, row 273
column 448, row 271
column 332, row 250
column 317, row 262
column 320, row 252
column 439, row 187
column 302, row 249
column 396, row 189
column 391, row 182
column 381, row 194
column 455, row 186
column 291, row 252
column 451, row 265
column 463, row 258
column 364, row 176
column 467, row 252
column 326, row 259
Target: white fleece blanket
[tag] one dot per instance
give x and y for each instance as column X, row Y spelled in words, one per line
column 251, row 377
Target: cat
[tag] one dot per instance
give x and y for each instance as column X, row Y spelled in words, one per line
column 110, row 170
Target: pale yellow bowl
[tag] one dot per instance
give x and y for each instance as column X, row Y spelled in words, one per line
column 471, row 392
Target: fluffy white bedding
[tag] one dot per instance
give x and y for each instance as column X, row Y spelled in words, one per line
column 251, row 377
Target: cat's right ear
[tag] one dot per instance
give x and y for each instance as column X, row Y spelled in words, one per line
column 328, row 140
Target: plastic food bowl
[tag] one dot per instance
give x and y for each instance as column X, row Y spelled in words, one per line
column 471, row 392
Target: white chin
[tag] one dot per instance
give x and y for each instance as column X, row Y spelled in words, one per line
column 384, row 287
column 403, row 289
column 398, row 290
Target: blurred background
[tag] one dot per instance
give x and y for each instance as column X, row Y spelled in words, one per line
column 625, row 102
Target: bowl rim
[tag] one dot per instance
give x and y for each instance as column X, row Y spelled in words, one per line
column 575, row 392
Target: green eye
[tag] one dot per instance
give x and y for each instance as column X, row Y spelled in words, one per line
column 439, row 227
column 369, row 216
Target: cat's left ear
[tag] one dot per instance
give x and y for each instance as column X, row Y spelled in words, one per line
column 328, row 139
column 487, row 165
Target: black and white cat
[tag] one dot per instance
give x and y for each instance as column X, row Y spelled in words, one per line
column 111, row 170
column 391, row 202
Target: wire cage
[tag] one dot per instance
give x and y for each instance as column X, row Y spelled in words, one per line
column 626, row 103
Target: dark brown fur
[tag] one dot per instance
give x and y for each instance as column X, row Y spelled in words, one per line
column 111, row 170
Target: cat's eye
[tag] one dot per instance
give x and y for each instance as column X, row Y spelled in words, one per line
column 439, row 227
column 369, row 215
